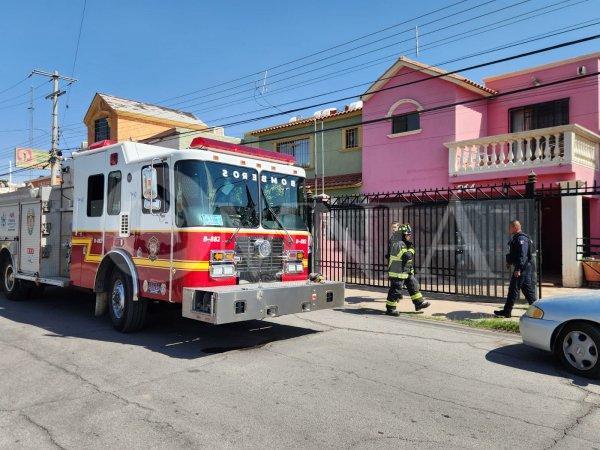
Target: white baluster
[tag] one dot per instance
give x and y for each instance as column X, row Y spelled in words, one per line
column 511, row 153
column 493, row 156
column 481, row 164
column 458, row 159
column 558, row 153
column 519, row 155
column 538, row 150
column 502, row 156
column 527, row 151
column 471, row 159
column 546, row 149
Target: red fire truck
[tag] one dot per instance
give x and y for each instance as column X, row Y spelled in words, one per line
column 218, row 228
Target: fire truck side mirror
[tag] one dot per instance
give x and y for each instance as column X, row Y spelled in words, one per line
column 150, row 189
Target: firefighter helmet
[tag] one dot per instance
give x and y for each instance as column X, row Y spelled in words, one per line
column 405, row 229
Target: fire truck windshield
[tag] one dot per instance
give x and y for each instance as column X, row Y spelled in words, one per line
column 215, row 194
column 283, row 203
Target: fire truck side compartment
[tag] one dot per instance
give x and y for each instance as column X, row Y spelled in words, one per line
column 35, row 227
column 253, row 301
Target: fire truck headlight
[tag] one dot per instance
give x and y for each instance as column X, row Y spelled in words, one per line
column 222, row 270
column 293, row 267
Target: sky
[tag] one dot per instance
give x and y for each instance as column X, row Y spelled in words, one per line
column 185, row 53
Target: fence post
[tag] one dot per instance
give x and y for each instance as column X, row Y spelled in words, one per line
column 530, row 186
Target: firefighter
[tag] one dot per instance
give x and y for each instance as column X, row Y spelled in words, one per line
column 401, row 253
column 519, row 258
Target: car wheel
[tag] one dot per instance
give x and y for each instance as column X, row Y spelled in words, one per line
column 14, row 289
column 578, row 348
column 126, row 314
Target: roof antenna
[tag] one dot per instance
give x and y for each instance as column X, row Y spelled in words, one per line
column 417, row 40
column 264, row 86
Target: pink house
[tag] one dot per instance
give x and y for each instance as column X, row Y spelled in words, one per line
column 487, row 139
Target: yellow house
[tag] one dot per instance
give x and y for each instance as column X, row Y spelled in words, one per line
column 120, row 119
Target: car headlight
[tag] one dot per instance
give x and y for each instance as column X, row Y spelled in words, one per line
column 534, row 312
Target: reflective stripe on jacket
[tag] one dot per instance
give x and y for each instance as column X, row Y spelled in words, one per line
column 400, row 264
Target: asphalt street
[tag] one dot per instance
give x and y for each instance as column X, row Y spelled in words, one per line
column 341, row 379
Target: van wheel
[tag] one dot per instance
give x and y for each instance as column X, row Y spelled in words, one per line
column 14, row 289
column 578, row 348
column 126, row 315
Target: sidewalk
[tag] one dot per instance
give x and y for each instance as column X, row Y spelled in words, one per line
column 447, row 307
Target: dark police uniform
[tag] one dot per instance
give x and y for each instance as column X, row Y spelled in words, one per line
column 519, row 256
column 401, row 272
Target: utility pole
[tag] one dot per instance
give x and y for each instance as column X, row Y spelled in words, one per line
column 31, row 111
column 31, row 117
column 55, row 156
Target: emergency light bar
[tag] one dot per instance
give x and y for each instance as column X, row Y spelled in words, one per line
column 237, row 149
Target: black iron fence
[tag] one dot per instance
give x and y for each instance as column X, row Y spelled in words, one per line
column 588, row 247
column 460, row 234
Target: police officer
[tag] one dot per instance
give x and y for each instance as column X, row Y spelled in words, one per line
column 519, row 258
column 401, row 253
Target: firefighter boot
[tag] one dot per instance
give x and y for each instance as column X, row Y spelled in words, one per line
column 422, row 305
column 391, row 312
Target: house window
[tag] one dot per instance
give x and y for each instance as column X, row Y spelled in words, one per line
column 101, row 129
column 298, row 148
column 539, row 115
column 405, row 122
column 350, row 138
column 162, row 190
column 113, row 193
column 95, row 195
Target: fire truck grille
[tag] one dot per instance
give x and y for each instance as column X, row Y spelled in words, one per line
column 252, row 267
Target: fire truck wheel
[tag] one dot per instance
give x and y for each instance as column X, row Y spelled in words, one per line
column 126, row 315
column 14, row 289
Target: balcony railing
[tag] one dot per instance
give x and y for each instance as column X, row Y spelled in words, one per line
column 543, row 147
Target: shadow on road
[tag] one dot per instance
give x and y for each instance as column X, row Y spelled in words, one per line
column 520, row 356
column 69, row 313
column 374, row 312
column 461, row 315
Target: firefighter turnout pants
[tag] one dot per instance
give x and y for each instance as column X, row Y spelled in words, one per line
column 395, row 291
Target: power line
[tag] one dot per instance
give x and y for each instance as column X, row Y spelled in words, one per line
column 18, row 83
column 413, row 82
column 373, row 42
column 316, row 53
column 436, row 108
column 520, row 42
column 485, row 28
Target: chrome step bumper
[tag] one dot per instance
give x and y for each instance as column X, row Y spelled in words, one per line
column 227, row 304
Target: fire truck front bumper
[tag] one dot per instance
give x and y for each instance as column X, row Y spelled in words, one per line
column 227, row 304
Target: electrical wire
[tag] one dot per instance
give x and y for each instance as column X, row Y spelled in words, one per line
column 316, row 53
column 387, row 88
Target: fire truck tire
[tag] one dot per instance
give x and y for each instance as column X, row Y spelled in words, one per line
column 14, row 289
column 126, row 314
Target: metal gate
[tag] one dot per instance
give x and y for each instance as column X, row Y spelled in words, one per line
column 460, row 243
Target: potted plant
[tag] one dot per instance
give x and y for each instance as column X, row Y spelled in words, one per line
column 591, row 269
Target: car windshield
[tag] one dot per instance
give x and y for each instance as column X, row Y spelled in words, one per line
column 215, row 194
column 283, row 203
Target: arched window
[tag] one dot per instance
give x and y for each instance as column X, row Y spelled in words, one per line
column 405, row 121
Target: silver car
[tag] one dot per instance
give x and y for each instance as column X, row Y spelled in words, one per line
column 570, row 328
